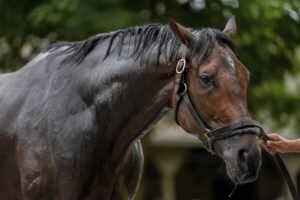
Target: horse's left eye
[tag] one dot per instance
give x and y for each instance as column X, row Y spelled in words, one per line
column 206, row 80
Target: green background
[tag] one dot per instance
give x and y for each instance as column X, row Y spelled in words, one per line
column 268, row 38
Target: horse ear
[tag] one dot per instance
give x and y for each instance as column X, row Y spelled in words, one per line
column 230, row 27
column 181, row 33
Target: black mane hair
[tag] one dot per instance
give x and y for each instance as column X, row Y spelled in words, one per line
column 148, row 40
column 204, row 44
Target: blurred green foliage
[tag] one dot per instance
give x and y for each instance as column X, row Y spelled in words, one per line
column 268, row 39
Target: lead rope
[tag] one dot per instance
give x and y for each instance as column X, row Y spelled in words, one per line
column 283, row 169
column 231, row 193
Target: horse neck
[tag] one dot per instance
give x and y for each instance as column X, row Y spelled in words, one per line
column 128, row 99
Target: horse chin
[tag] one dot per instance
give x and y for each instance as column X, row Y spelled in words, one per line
column 239, row 177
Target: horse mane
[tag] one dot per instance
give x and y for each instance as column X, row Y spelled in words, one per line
column 147, row 40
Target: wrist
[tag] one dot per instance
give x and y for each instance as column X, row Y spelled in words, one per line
column 294, row 145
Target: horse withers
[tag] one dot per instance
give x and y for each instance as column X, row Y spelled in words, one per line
column 72, row 117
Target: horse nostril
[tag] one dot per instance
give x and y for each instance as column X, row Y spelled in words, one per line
column 243, row 156
column 248, row 162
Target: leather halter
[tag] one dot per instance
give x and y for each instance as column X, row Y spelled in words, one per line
column 238, row 128
column 182, row 96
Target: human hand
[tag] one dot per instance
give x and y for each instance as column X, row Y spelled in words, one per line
column 277, row 143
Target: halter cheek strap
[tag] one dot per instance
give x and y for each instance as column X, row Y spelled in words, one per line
column 181, row 89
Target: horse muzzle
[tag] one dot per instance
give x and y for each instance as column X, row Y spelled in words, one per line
column 242, row 156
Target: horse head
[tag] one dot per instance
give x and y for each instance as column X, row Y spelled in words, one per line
column 210, row 93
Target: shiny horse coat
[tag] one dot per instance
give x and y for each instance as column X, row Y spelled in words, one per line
column 71, row 118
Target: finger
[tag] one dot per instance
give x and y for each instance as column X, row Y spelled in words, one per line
column 275, row 144
column 269, row 149
column 263, row 144
column 269, row 143
column 274, row 136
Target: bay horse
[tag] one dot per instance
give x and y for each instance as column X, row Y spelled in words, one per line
column 72, row 117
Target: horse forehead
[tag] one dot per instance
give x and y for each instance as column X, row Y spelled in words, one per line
column 228, row 58
column 231, row 60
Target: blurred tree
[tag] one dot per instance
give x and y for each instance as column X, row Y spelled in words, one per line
column 268, row 39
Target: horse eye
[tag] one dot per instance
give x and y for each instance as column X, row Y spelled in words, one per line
column 206, row 80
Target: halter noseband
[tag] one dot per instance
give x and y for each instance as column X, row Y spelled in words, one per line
column 182, row 95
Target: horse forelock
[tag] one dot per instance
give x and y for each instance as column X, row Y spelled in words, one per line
column 205, row 42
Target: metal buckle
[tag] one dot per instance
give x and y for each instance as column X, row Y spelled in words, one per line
column 206, row 133
column 209, row 142
column 180, row 67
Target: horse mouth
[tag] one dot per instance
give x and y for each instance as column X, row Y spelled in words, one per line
column 243, row 178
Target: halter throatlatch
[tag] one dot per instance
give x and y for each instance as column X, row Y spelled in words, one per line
column 238, row 128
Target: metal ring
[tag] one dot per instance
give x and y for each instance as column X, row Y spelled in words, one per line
column 179, row 68
column 185, row 88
